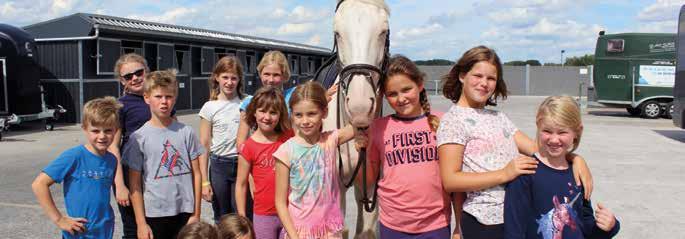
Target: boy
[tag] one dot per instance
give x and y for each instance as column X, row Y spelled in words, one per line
column 162, row 159
column 87, row 173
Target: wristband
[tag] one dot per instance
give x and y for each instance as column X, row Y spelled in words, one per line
column 206, row 183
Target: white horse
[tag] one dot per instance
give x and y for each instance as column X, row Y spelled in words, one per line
column 361, row 31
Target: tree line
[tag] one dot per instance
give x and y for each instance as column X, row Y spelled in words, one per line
column 585, row 60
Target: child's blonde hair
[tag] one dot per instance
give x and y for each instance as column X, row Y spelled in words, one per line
column 401, row 65
column 101, row 112
column 310, row 91
column 561, row 111
column 225, row 64
column 270, row 98
column 198, row 230
column 129, row 58
column 234, row 226
column 275, row 57
column 161, row 79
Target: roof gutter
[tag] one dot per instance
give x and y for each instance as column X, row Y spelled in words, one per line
column 96, row 35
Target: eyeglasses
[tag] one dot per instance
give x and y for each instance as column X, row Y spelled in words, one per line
column 138, row 73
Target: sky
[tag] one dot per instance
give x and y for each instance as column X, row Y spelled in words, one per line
column 420, row 29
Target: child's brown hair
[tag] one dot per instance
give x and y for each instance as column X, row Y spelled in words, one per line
column 400, row 64
column 161, row 79
column 311, row 91
column 234, row 226
column 452, row 86
column 101, row 112
column 225, row 64
column 270, row 98
column 198, row 230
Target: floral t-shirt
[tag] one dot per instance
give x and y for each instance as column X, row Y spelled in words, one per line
column 488, row 139
column 314, row 198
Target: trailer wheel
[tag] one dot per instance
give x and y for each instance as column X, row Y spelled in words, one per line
column 49, row 125
column 651, row 109
column 633, row 111
column 668, row 111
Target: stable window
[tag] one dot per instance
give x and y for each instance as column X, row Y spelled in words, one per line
column 294, row 65
column 165, row 56
column 182, row 59
column 207, row 60
column 131, row 47
column 312, row 66
column 250, row 62
column 108, row 53
column 615, row 45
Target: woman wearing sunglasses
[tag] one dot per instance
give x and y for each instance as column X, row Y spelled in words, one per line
column 130, row 70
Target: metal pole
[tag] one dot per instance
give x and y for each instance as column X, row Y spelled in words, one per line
column 527, row 74
column 80, row 80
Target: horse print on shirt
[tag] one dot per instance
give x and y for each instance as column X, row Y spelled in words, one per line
column 171, row 163
column 551, row 224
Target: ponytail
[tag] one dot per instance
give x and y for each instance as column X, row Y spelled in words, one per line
column 433, row 120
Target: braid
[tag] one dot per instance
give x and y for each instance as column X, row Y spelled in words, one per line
column 433, row 121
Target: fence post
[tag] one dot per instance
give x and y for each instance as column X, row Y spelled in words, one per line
column 437, row 83
column 527, row 91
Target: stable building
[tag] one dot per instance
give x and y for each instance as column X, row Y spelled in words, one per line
column 77, row 53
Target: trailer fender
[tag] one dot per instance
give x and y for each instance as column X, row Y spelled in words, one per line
column 669, row 98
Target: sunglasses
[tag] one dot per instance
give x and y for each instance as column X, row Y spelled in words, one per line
column 138, row 73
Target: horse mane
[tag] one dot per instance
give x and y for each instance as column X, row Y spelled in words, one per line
column 378, row 3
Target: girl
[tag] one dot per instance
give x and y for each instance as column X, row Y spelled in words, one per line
column 130, row 70
column 545, row 205
column 219, row 118
column 198, row 230
column 307, row 186
column 411, row 200
column 273, row 71
column 269, row 114
column 479, row 148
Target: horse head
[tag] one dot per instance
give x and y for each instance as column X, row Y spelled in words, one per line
column 361, row 34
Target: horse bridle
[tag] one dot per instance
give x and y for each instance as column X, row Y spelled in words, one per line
column 345, row 77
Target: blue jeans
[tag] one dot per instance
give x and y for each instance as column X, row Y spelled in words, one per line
column 222, row 176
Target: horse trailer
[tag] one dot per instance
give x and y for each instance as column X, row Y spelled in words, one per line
column 636, row 71
column 679, row 86
column 21, row 96
column 78, row 53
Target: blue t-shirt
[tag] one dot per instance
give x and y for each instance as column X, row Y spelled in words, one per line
column 87, row 180
column 248, row 99
column 549, row 203
column 133, row 115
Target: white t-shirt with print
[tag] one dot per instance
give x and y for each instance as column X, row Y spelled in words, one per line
column 224, row 116
column 488, row 139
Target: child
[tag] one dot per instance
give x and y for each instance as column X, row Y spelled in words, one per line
column 273, row 71
column 547, row 205
column 411, row 199
column 233, row 226
column 130, row 70
column 479, row 148
column 162, row 160
column 219, row 119
column 198, row 230
column 306, row 169
column 87, row 173
column 269, row 114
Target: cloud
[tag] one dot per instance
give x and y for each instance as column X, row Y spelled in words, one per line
column 303, row 14
column 295, row 28
column 417, row 31
column 314, row 40
column 662, row 10
column 170, row 17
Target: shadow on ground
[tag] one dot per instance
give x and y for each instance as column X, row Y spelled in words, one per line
column 677, row 135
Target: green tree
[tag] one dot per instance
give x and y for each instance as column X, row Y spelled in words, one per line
column 585, row 60
column 434, row 62
column 523, row 63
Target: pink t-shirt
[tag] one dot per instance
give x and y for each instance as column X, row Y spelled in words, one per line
column 314, row 195
column 410, row 194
